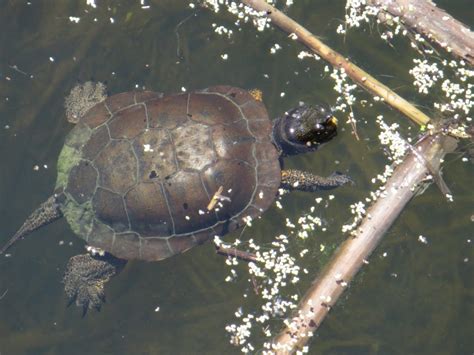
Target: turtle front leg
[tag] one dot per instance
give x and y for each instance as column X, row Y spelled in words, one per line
column 306, row 181
column 85, row 277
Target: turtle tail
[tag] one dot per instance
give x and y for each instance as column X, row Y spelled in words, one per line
column 46, row 213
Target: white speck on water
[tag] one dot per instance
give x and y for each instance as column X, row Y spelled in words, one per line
column 147, row 148
column 293, row 36
column 74, row 19
column 422, row 239
column 276, row 47
column 91, row 3
column 51, row 59
column 93, row 251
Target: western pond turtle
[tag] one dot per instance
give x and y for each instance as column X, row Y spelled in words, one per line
column 146, row 176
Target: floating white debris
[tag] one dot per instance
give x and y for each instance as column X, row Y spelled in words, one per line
column 93, row 250
column 147, row 148
column 422, row 239
column 91, row 3
column 276, row 47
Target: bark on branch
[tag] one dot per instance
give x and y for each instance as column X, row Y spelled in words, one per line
column 354, row 252
column 426, row 18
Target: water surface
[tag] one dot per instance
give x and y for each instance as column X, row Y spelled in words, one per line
column 416, row 299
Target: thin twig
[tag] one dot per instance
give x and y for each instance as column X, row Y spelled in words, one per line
column 178, row 42
column 3, row 295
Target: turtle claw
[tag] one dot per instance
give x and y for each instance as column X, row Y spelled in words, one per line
column 93, row 298
column 85, row 278
column 90, row 296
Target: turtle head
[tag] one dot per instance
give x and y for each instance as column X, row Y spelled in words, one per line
column 304, row 129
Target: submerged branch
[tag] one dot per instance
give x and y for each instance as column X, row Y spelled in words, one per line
column 235, row 253
column 359, row 76
column 353, row 253
column 425, row 18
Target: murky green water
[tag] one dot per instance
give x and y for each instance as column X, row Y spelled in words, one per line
column 418, row 299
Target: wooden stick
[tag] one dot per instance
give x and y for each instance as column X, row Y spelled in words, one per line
column 236, row 253
column 426, row 18
column 354, row 252
column 358, row 75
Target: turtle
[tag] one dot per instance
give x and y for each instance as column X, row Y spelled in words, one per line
column 145, row 176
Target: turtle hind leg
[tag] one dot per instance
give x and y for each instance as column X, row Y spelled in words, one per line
column 86, row 276
column 306, row 181
column 46, row 213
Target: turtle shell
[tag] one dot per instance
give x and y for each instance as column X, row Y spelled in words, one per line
column 139, row 170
